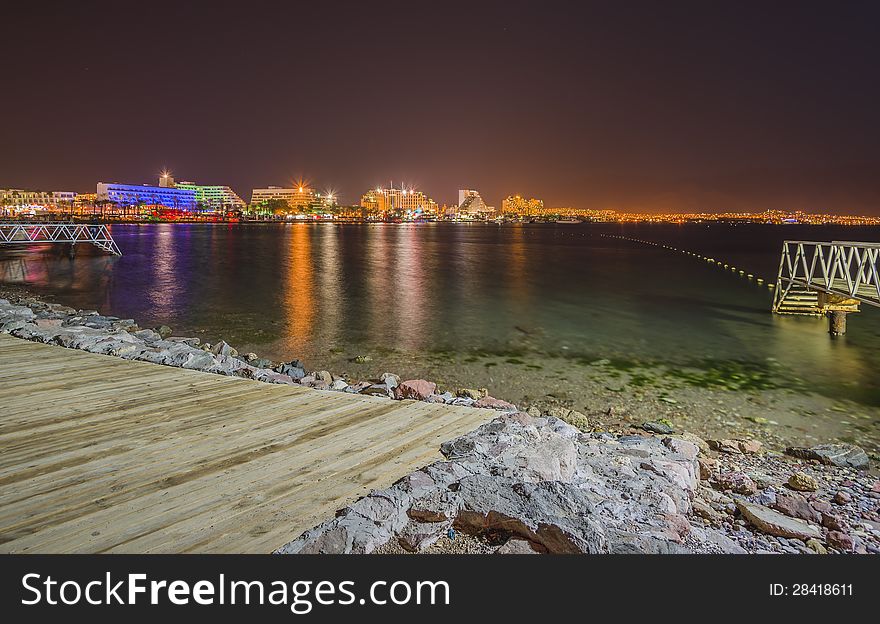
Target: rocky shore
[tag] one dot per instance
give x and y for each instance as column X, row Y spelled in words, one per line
column 537, row 481
column 523, row 484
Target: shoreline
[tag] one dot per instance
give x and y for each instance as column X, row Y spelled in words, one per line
column 721, row 399
column 822, row 220
column 729, row 478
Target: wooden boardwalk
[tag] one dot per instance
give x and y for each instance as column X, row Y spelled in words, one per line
column 100, row 454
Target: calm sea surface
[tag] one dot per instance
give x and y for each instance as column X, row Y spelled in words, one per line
column 433, row 297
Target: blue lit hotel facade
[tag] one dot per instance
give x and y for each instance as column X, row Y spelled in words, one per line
column 145, row 194
column 170, row 194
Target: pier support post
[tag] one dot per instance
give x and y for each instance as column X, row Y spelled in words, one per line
column 71, row 252
column 837, row 322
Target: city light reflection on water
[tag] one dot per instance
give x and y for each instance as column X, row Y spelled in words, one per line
column 312, row 290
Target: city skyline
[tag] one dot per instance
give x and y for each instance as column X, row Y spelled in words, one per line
column 651, row 107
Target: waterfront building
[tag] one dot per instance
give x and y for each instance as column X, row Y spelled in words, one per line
column 14, row 201
column 146, row 195
column 398, row 203
column 516, row 205
column 211, row 196
column 297, row 199
column 85, row 202
column 471, row 205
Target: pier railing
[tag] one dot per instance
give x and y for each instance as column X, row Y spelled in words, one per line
column 842, row 272
column 58, row 232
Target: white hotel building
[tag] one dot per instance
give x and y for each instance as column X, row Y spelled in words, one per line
column 296, row 198
column 213, row 196
column 13, row 201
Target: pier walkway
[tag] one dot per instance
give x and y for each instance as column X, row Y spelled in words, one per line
column 846, row 269
column 28, row 233
column 101, row 454
column 827, row 278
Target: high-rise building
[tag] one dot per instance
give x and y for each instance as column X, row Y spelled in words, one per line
column 520, row 206
column 295, row 199
column 166, row 180
column 146, row 195
column 213, row 196
column 470, row 204
column 402, row 203
column 171, row 194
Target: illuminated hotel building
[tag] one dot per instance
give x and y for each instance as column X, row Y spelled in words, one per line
column 517, row 205
column 16, row 200
column 398, row 202
column 145, row 194
column 213, row 196
column 300, row 198
column 470, row 204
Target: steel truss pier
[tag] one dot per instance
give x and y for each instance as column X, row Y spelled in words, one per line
column 72, row 233
column 827, row 278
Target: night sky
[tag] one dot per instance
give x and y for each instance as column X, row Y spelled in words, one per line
column 627, row 105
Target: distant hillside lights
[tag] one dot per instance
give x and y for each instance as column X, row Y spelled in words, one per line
column 520, row 206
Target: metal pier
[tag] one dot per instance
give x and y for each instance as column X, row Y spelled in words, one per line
column 827, row 278
column 17, row 233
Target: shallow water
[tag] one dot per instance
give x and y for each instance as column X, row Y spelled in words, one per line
column 484, row 301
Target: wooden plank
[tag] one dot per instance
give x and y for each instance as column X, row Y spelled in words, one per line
column 101, row 454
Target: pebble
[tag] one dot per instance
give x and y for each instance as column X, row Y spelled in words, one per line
column 842, row 498
column 803, row 482
column 841, row 541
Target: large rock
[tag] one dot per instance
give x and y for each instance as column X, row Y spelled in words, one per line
column 12, row 312
column 493, row 403
column 803, row 482
column 294, row 369
column 535, row 479
column 223, row 348
column 376, row 390
column 193, row 342
column 656, row 427
column 550, row 513
column 323, row 376
column 841, row 455
column 737, row 482
column 471, row 393
column 735, row 446
column 417, row 389
column 148, row 335
column 796, row 506
column 390, row 380
column 775, row 523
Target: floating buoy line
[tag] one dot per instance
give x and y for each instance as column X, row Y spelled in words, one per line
column 726, row 266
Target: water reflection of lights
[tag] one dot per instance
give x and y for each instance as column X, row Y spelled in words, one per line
column 299, row 298
column 806, row 343
column 165, row 289
column 410, row 277
column 330, row 281
column 517, row 265
column 381, row 311
column 40, row 267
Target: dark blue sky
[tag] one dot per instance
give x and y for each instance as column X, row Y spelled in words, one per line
column 628, row 105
